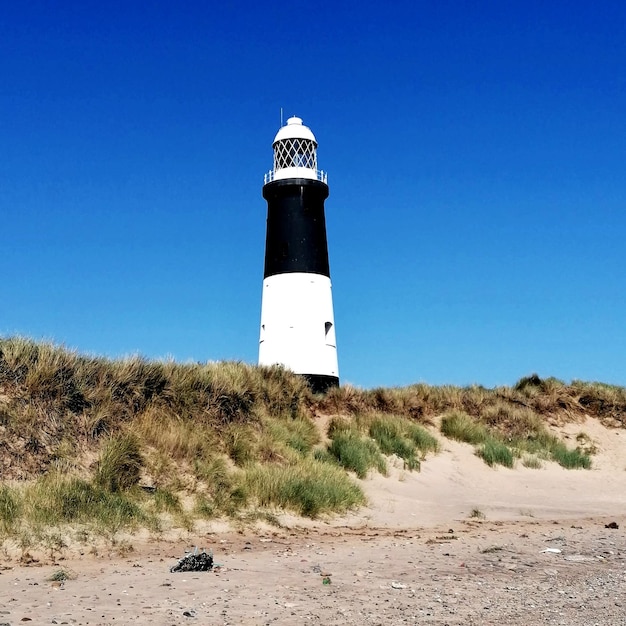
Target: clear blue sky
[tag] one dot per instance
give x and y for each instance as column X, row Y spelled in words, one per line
column 477, row 168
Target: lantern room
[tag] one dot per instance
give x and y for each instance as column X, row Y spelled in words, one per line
column 295, row 153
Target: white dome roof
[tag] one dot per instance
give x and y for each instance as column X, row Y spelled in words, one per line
column 295, row 129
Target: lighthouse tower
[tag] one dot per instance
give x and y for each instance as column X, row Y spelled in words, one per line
column 297, row 322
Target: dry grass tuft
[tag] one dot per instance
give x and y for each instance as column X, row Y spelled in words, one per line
column 120, row 463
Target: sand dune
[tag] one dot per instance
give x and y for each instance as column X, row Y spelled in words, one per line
column 455, row 482
column 541, row 555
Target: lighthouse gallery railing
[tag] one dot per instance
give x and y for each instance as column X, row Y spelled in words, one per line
column 321, row 175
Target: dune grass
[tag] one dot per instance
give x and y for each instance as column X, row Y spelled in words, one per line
column 56, row 501
column 393, row 432
column 10, row 510
column 359, row 444
column 495, row 452
column 510, row 432
column 568, row 458
column 357, row 453
column 531, row 461
column 130, row 442
column 120, row 463
column 547, row 397
column 392, row 438
column 309, row 488
column 460, row 426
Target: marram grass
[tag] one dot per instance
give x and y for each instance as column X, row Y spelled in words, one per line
column 58, row 500
column 119, row 444
column 359, row 444
column 458, row 425
column 10, row 509
column 120, row 463
column 357, row 453
column 570, row 459
column 399, row 436
column 526, row 434
column 495, row 452
column 310, row 488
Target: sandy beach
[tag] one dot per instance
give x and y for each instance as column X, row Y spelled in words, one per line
column 457, row 543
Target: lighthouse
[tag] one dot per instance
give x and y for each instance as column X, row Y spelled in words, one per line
column 297, row 322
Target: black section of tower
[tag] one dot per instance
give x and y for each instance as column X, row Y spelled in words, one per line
column 296, row 227
column 296, row 241
column 319, row 383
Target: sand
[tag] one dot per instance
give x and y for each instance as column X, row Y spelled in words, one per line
column 542, row 554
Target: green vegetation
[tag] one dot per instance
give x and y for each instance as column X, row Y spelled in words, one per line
column 62, row 575
column 460, row 426
column 570, row 459
column 39, row 509
column 120, row 464
column 503, row 432
column 99, row 446
column 10, row 510
column 359, row 444
column 494, row 452
column 309, row 488
column 549, row 399
column 357, row 453
column 395, row 435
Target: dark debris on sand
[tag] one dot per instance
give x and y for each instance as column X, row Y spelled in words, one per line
column 194, row 562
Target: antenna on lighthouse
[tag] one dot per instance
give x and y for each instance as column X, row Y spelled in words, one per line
column 297, row 321
column 281, row 117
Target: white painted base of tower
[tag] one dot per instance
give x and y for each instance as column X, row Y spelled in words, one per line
column 297, row 324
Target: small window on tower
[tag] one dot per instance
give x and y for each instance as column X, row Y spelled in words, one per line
column 329, row 331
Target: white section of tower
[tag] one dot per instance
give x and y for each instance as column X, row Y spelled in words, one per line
column 297, row 324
